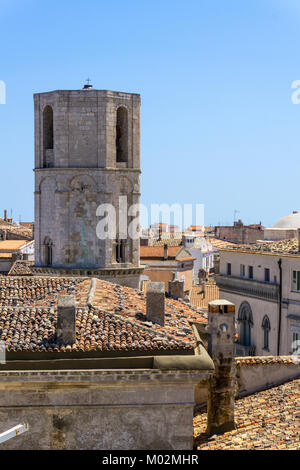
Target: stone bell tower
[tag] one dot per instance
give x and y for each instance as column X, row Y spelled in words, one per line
column 87, row 153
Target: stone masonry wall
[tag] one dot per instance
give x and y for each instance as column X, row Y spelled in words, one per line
column 113, row 410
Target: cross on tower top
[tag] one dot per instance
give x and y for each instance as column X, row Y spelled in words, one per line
column 88, row 84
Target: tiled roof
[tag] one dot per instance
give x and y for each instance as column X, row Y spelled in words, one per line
column 276, row 247
column 115, row 319
column 219, row 244
column 21, row 268
column 27, row 224
column 167, row 241
column 258, row 360
column 201, row 299
column 24, row 231
column 29, row 291
column 158, row 251
column 265, row 420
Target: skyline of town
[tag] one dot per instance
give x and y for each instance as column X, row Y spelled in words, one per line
column 149, row 228
column 216, row 99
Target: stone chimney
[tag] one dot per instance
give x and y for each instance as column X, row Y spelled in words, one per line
column 155, row 303
column 298, row 235
column 220, row 403
column 176, row 289
column 66, row 320
column 5, row 215
column 165, row 251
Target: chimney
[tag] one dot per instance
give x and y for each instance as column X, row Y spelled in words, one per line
column 66, row 320
column 156, row 302
column 298, row 234
column 220, row 403
column 5, row 215
column 165, row 251
column 176, row 289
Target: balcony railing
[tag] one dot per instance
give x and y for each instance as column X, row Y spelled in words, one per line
column 248, row 287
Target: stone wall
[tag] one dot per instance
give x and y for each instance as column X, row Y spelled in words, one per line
column 259, row 373
column 112, row 410
column 239, row 234
column 254, row 374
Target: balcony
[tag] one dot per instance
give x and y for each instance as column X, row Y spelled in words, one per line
column 248, row 287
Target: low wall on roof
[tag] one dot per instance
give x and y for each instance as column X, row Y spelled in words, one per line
column 98, row 409
column 257, row 373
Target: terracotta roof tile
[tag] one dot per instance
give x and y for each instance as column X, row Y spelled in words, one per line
column 276, row 247
column 267, row 420
column 158, row 251
column 116, row 320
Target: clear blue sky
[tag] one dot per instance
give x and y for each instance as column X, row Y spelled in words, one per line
column 218, row 123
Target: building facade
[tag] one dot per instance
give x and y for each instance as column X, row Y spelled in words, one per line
column 87, row 153
column 203, row 252
column 263, row 281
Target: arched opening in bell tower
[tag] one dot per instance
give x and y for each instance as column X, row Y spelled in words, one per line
column 48, row 137
column 122, row 135
column 48, row 245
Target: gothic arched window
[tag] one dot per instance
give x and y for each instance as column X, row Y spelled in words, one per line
column 48, row 251
column 245, row 318
column 122, row 135
column 266, row 326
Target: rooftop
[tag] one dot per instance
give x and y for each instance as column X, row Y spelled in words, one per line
column 287, row 247
column 157, row 252
column 21, row 268
column 267, row 420
column 115, row 318
column 12, row 245
column 219, row 244
column 200, row 298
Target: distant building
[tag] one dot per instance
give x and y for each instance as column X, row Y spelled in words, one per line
column 263, row 281
column 11, row 250
column 196, row 229
column 240, row 233
column 168, row 263
column 203, row 252
column 285, row 228
column 10, row 230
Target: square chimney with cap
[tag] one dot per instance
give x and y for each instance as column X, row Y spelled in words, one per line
column 66, row 320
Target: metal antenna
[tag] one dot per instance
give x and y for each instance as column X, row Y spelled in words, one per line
column 234, row 214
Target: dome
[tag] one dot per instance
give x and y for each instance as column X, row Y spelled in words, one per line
column 290, row 221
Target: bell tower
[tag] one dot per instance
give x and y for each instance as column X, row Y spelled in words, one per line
column 87, row 153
